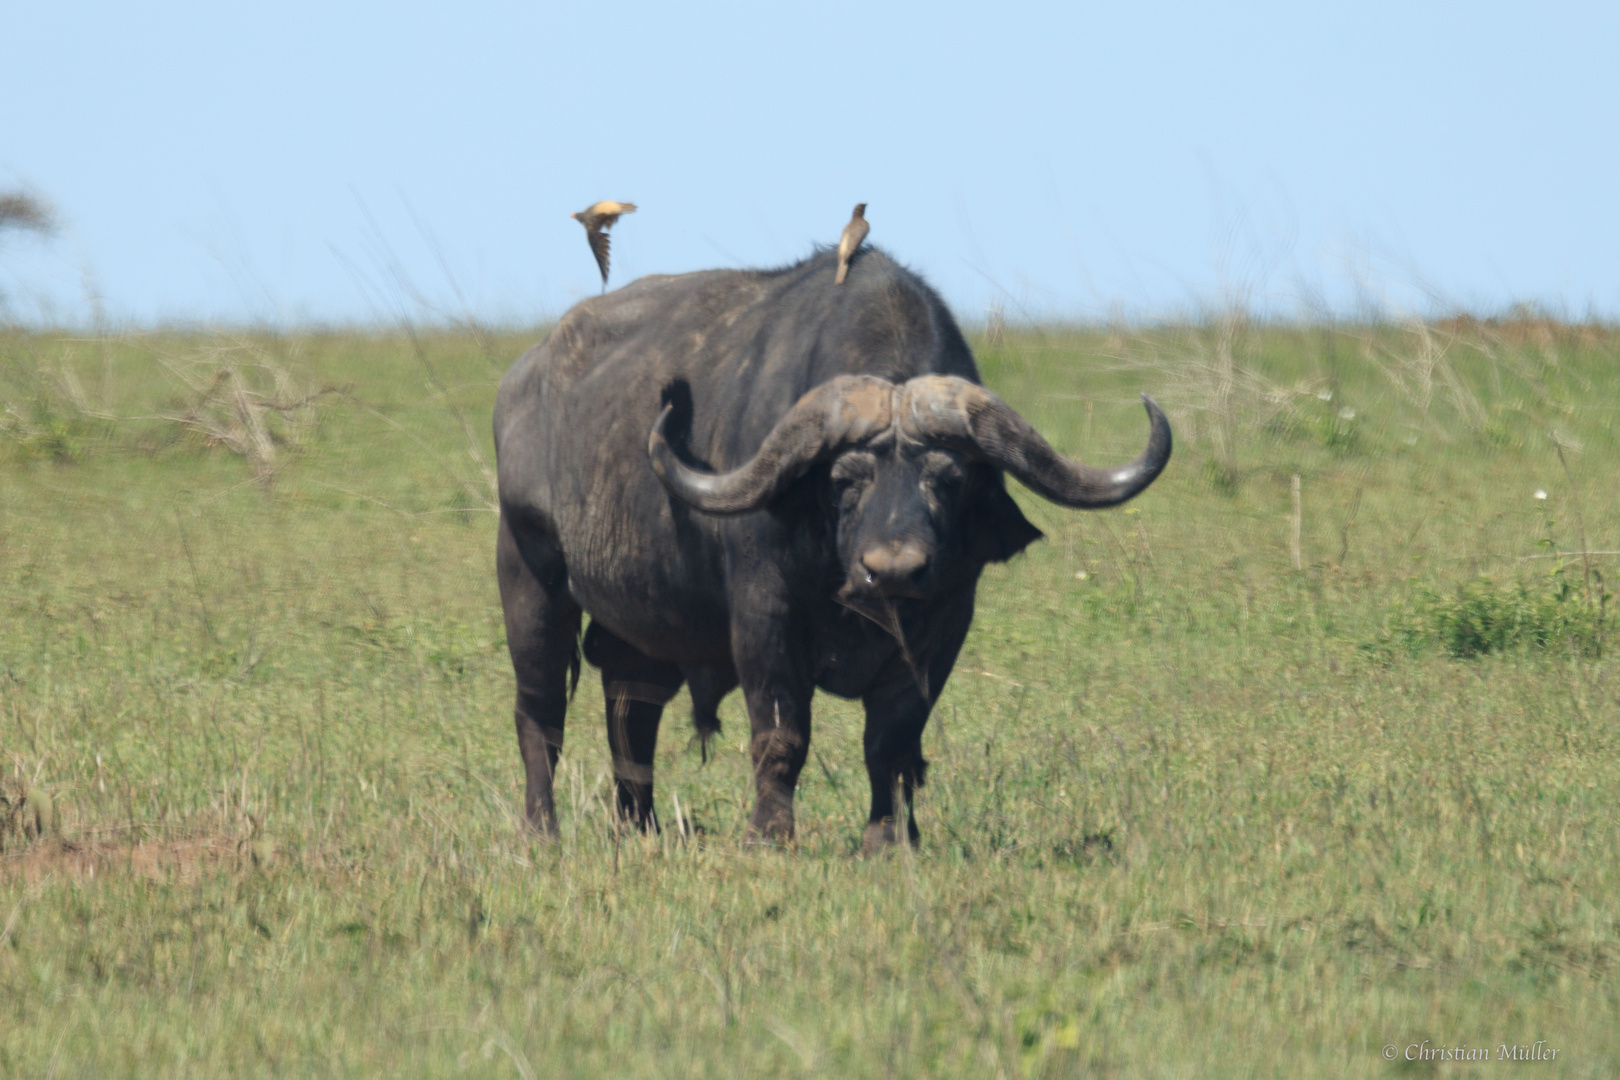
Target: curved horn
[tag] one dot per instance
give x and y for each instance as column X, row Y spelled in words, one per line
column 974, row 421
column 846, row 410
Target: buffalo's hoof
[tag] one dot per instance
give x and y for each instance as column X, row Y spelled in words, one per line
column 541, row 828
column 881, row 837
column 774, row 835
column 771, row 822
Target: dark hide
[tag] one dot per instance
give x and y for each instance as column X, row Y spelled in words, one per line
column 856, row 573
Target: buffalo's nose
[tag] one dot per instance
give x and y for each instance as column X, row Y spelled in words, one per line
column 894, row 566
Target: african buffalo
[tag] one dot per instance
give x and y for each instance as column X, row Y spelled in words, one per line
column 757, row 478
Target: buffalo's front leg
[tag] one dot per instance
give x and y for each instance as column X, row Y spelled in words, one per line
column 779, row 720
column 897, row 710
column 773, row 668
column 895, row 717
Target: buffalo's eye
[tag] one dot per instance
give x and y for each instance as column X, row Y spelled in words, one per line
column 850, row 474
column 942, row 478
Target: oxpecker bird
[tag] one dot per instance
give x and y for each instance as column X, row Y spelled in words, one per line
column 854, row 233
column 598, row 218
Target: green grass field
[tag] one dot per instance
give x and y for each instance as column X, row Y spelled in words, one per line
column 1193, row 812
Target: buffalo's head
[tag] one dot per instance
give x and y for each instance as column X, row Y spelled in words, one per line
column 913, row 475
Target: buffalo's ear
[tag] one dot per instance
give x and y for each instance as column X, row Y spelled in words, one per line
column 678, row 428
column 997, row 529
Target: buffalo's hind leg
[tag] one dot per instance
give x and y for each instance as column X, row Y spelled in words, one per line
column 636, row 688
column 542, row 635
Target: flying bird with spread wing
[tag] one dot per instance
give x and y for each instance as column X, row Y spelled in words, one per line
column 854, row 233
column 598, row 218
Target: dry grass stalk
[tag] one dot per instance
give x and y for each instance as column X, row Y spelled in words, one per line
column 1417, row 372
column 1532, row 358
column 995, row 328
column 245, row 400
column 1210, row 389
column 1580, row 518
column 1223, row 372
column 1295, row 521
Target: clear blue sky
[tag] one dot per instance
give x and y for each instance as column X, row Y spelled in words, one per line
column 294, row 162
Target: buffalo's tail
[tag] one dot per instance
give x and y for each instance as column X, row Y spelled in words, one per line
column 575, row 661
column 706, row 725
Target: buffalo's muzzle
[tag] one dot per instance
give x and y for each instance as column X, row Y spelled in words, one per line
column 898, row 568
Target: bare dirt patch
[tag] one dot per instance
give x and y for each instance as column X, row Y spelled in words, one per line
column 154, row 860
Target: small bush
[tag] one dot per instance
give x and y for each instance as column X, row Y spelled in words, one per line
column 238, row 393
column 38, row 418
column 1484, row 616
column 37, row 430
column 27, row 813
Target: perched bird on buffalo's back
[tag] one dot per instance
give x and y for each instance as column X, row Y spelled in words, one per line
column 854, row 233
column 598, row 218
